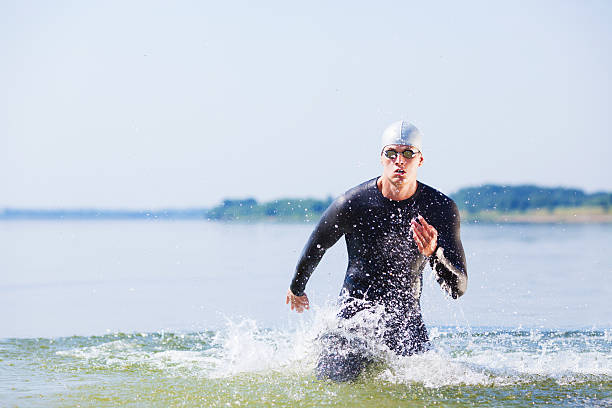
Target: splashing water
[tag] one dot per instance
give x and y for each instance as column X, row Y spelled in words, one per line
column 247, row 365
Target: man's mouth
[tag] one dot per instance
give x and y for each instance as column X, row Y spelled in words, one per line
column 399, row 171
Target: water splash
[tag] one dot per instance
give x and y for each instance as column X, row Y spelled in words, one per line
column 475, row 357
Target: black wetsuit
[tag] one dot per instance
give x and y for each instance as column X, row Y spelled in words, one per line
column 384, row 264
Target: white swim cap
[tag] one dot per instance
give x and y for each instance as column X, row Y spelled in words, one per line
column 401, row 133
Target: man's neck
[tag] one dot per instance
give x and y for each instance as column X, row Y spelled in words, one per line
column 396, row 192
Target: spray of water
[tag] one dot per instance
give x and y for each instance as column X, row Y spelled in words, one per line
column 457, row 357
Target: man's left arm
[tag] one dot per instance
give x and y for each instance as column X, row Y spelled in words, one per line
column 444, row 250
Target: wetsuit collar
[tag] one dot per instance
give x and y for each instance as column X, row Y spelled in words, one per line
column 407, row 200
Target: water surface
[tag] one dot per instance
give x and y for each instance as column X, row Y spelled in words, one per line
column 192, row 313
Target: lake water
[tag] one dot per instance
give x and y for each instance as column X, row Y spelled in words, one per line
column 192, row 313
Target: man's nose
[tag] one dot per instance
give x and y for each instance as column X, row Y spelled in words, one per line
column 399, row 158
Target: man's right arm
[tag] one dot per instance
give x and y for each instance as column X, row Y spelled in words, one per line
column 327, row 232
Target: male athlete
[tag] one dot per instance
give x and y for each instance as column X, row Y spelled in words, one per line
column 393, row 225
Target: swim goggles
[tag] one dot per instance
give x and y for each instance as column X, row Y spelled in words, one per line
column 408, row 153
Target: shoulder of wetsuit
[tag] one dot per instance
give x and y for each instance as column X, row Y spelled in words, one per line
column 360, row 189
column 429, row 196
column 428, row 192
column 355, row 194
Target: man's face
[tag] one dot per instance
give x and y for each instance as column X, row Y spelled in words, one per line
column 400, row 170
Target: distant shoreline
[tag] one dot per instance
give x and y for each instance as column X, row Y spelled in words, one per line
column 485, row 204
column 572, row 215
column 576, row 215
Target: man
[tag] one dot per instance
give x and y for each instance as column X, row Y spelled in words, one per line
column 393, row 225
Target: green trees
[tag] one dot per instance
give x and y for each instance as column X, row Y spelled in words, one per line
column 478, row 202
column 526, row 197
column 291, row 209
column 473, row 200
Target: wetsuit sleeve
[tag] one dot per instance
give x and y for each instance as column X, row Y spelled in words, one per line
column 448, row 260
column 328, row 231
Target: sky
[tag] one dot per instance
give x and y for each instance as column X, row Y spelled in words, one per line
column 145, row 104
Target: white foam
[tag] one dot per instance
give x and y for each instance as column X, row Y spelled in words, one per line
column 243, row 347
column 433, row 369
column 497, row 358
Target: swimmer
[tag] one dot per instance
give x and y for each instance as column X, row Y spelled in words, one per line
column 394, row 226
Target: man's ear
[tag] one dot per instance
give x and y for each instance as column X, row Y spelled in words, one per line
column 421, row 160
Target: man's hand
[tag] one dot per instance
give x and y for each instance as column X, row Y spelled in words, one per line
column 299, row 303
column 425, row 235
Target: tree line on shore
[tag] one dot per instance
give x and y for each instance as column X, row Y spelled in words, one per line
column 523, row 198
column 471, row 200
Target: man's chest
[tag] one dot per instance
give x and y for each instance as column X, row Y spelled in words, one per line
column 384, row 219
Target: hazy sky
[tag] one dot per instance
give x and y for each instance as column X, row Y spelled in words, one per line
column 176, row 104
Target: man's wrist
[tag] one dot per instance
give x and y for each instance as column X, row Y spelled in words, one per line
column 296, row 292
column 433, row 258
